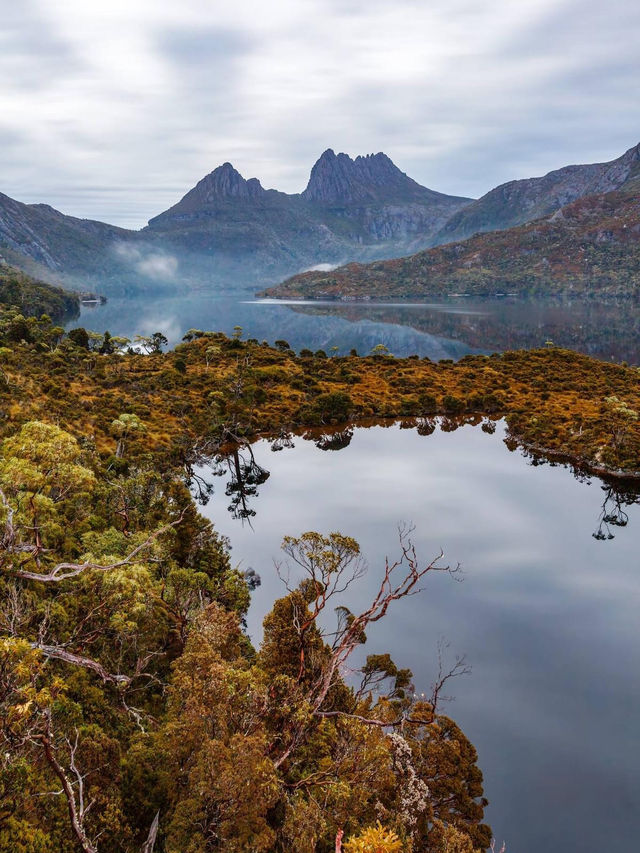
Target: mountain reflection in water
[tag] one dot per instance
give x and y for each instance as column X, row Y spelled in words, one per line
column 446, row 329
column 609, row 331
column 546, row 613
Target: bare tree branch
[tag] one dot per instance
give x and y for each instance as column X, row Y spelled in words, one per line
column 60, row 653
column 149, row 844
column 76, row 810
column 460, row 667
column 393, row 587
column 401, row 579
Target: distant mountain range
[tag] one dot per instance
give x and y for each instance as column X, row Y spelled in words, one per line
column 590, row 246
column 364, row 208
column 231, row 231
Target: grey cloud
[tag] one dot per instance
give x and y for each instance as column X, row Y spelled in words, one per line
column 31, row 56
column 203, row 47
column 461, row 95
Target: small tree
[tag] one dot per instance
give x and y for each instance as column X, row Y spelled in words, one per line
column 123, row 427
column 380, row 350
column 210, row 353
column 79, row 337
column 151, row 343
column 621, row 419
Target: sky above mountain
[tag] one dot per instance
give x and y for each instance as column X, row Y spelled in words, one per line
column 113, row 109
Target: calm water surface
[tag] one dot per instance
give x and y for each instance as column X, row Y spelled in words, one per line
column 446, row 329
column 546, row 614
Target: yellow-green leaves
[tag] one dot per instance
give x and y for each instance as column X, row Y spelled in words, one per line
column 374, row 839
column 43, row 459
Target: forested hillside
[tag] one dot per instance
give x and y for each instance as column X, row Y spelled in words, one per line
column 33, row 298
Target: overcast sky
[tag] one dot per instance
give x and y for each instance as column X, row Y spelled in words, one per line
column 113, row 109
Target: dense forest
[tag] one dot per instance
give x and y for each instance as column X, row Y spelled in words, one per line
column 135, row 712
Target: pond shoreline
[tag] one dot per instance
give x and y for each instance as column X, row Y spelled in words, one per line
column 579, row 463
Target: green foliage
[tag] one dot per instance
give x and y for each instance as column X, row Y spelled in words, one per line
column 453, row 405
column 31, row 298
column 380, row 350
column 334, row 406
column 79, row 337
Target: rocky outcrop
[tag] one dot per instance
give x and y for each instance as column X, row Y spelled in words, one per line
column 337, row 179
column 224, row 184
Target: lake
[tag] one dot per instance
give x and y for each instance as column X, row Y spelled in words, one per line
column 546, row 614
column 444, row 329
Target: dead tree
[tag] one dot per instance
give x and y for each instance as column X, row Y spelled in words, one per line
column 331, row 564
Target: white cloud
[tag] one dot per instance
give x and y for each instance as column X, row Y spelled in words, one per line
column 113, row 109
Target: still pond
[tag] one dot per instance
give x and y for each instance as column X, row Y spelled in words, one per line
column 546, row 613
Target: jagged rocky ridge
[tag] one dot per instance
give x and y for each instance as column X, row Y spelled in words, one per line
column 589, row 247
column 361, row 208
column 232, row 232
column 226, row 225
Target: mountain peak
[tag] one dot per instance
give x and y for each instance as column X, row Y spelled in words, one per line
column 339, row 178
column 226, row 182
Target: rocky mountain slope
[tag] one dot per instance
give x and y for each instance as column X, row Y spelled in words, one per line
column 228, row 226
column 362, row 208
column 231, row 233
column 591, row 246
column 58, row 242
column 517, row 202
